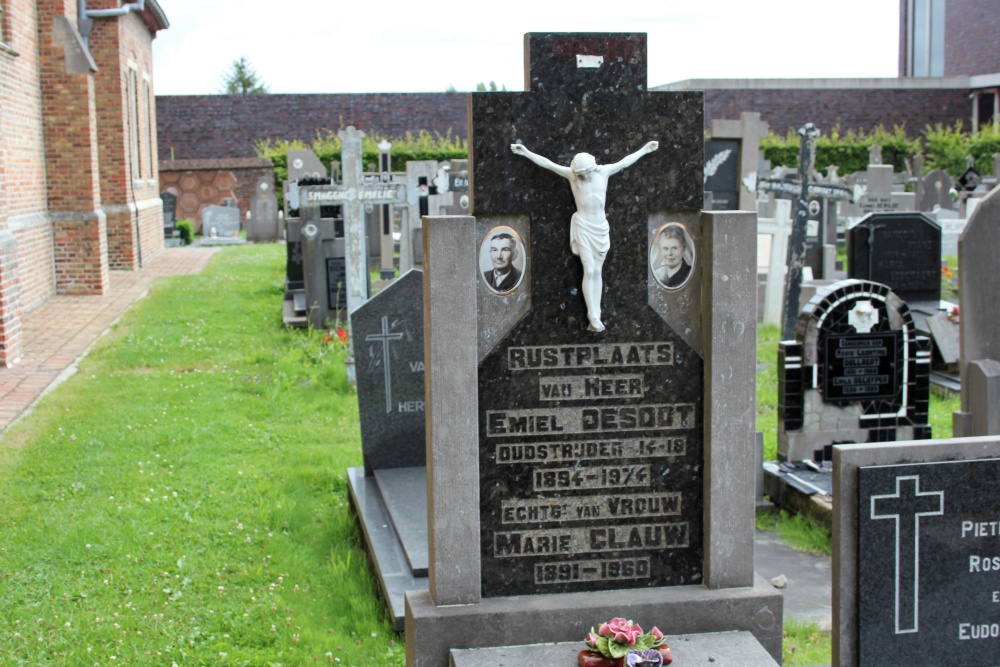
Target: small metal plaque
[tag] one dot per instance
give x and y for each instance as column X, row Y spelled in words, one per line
column 589, row 61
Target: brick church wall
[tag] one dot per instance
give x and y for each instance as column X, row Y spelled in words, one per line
column 970, row 39
column 23, row 202
column 129, row 187
column 63, row 200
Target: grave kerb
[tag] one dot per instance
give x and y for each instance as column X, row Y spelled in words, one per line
column 452, row 613
column 846, row 461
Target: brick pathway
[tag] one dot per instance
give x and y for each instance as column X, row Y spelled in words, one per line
column 62, row 329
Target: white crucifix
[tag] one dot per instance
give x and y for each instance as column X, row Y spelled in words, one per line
column 905, row 507
column 386, row 339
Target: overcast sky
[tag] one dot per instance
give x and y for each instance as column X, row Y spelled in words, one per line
column 324, row 46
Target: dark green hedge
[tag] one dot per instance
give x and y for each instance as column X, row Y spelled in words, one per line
column 943, row 148
column 422, row 146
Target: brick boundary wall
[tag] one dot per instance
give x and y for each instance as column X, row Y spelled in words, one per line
column 201, row 183
column 786, row 109
column 226, row 126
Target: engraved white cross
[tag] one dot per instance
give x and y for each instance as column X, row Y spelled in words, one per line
column 905, row 508
column 386, row 338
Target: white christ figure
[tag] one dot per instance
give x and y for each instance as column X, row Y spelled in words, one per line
column 589, row 237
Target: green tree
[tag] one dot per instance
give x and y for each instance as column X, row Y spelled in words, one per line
column 482, row 88
column 242, row 79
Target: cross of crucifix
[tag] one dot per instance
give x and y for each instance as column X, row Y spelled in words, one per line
column 386, row 338
column 585, row 93
column 806, row 190
column 353, row 194
column 905, row 507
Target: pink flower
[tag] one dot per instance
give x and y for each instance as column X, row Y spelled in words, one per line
column 622, row 632
column 656, row 633
column 591, row 640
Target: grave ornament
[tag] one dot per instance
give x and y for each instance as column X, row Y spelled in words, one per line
column 971, row 179
column 589, row 229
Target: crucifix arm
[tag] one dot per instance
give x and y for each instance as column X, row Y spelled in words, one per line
column 629, row 160
column 544, row 162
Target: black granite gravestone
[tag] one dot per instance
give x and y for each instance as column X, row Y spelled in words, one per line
column 856, row 372
column 591, row 453
column 336, row 281
column 928, row 564
column 389, row 353
column 900, row 250
column 169, row 208
column 722, row 173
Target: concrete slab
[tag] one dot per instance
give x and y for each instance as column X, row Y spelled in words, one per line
column 720, row 649
column 808, row 595
column 391, row 568
column 404, row 496
column 432, row 631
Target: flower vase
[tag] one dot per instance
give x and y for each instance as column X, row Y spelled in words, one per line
column 595, row 659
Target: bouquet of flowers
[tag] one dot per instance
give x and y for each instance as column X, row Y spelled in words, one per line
column 619, row 639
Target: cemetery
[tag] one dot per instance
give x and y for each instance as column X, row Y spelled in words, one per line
column 579, row 386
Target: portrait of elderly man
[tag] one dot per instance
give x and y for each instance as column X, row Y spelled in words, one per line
column 503, row 275
column 672, row 256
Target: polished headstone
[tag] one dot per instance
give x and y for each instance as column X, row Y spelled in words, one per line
column 935, row 192
column 979, row 292
column 389, row 355
column 748, row 132
column 303, row 164
column 927, row 559
column 169, row 208
column 850, row 509
column 722, row 173
column 263, row 222
column 856, row 372
column 900, row 250
column 220, row 224
column 591, row 461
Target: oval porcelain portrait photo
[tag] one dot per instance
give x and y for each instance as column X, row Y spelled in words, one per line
column 501, row 260
column 671, row 255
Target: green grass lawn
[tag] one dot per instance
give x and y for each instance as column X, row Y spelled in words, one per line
column 183, row 497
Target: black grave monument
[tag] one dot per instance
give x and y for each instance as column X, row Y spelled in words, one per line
column 555, row 471
column 900, row 250
column 856, row 372
column 574, row 474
